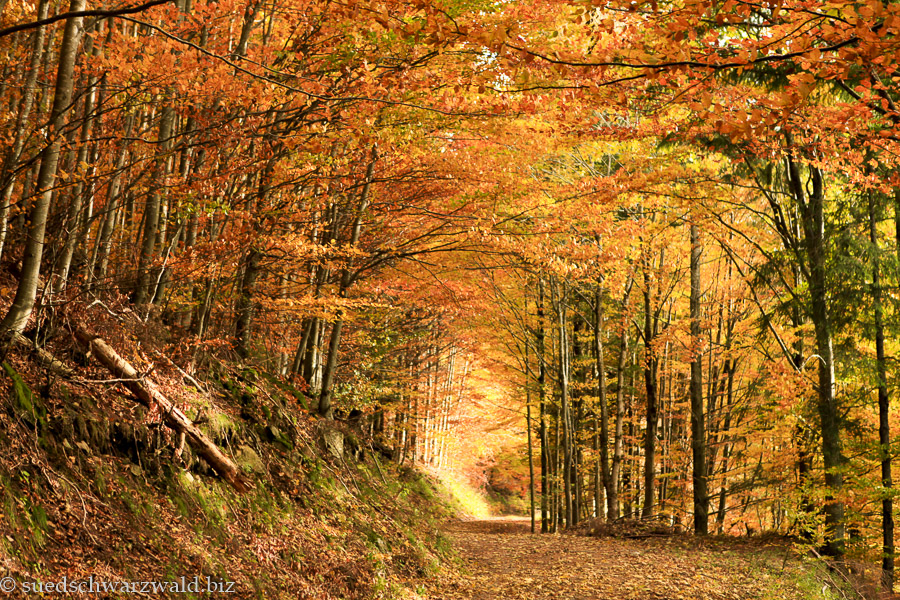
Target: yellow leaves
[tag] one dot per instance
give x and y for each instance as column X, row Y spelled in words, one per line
column 805, row 83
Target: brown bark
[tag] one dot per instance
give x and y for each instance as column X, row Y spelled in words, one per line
column 601, row 437
column 528, row 430
column 143, row 287
column 612, row 496
column 44, row 358
column 651, row 376
column 542, row 404
column 884, row 408
column 566, row 416
column 698, row 429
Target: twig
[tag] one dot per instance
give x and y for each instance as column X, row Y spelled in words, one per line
column 80, row 497
column 349, row 493
column 837, row 568
column 352, row 476
column 193, row 381
column 123, row 380
column 377, row 464
column 97, row 302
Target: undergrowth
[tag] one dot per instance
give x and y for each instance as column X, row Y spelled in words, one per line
column 90, row 486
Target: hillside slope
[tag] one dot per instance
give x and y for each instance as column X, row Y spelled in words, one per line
column 93, row 485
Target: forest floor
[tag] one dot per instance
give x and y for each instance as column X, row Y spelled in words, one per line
column 503, row 560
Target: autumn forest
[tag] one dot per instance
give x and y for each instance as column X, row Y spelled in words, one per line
column 630, row 268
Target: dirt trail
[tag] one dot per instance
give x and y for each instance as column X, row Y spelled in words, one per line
column 503, row 560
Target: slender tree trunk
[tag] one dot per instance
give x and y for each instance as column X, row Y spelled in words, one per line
column 566, row 409
column 542, row 399
column 577, row 461
column 698, row 429
column 726, row 451
column 884, row 425
column 628, row 475
column 601, row 437
column 325, row 408
column 75, row 218
column 832, row 452
column 576, row 414
column 145, row 280
column 250, row 14
column 28, row 91
column 111, row 210
column 297, row 363
column 530, row 451
column 311, row 359
column 714, row 393
column 612, row 496
column 245, row 301
column 651, row 368
column 555, row 462
column 15, row 320
column 446, row 405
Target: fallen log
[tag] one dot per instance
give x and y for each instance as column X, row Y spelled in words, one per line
column 150, row 396
column 44, row 358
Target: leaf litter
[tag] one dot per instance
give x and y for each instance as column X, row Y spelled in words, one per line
column 501, row 559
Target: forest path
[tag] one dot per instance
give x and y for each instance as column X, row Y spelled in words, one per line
column 504, row 561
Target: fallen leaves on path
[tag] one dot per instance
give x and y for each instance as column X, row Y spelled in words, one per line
column 503, row 560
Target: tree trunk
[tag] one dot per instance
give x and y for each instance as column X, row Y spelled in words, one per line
column 103, row 244
column 297, row 363
column 151, row 397
column 325, row 408
column 530, row 451
column 311, row 360
column 75, row 219
column 612, row 496
column 651, row 368
column 698, row 429
column 144, row 286
column 832, row 454
column 26, row 292
column 244, row 307
column 726, row 451
column 884, row 406
column 557, row 519
column 601, row 440
column 542, row 399
column 566, row 409
column 12, row 157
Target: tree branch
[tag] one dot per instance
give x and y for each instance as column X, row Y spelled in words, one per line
column 115, row 12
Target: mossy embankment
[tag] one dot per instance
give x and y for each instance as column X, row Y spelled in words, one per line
column 92, row 485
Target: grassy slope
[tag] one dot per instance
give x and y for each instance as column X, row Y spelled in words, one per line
column 89, row 487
